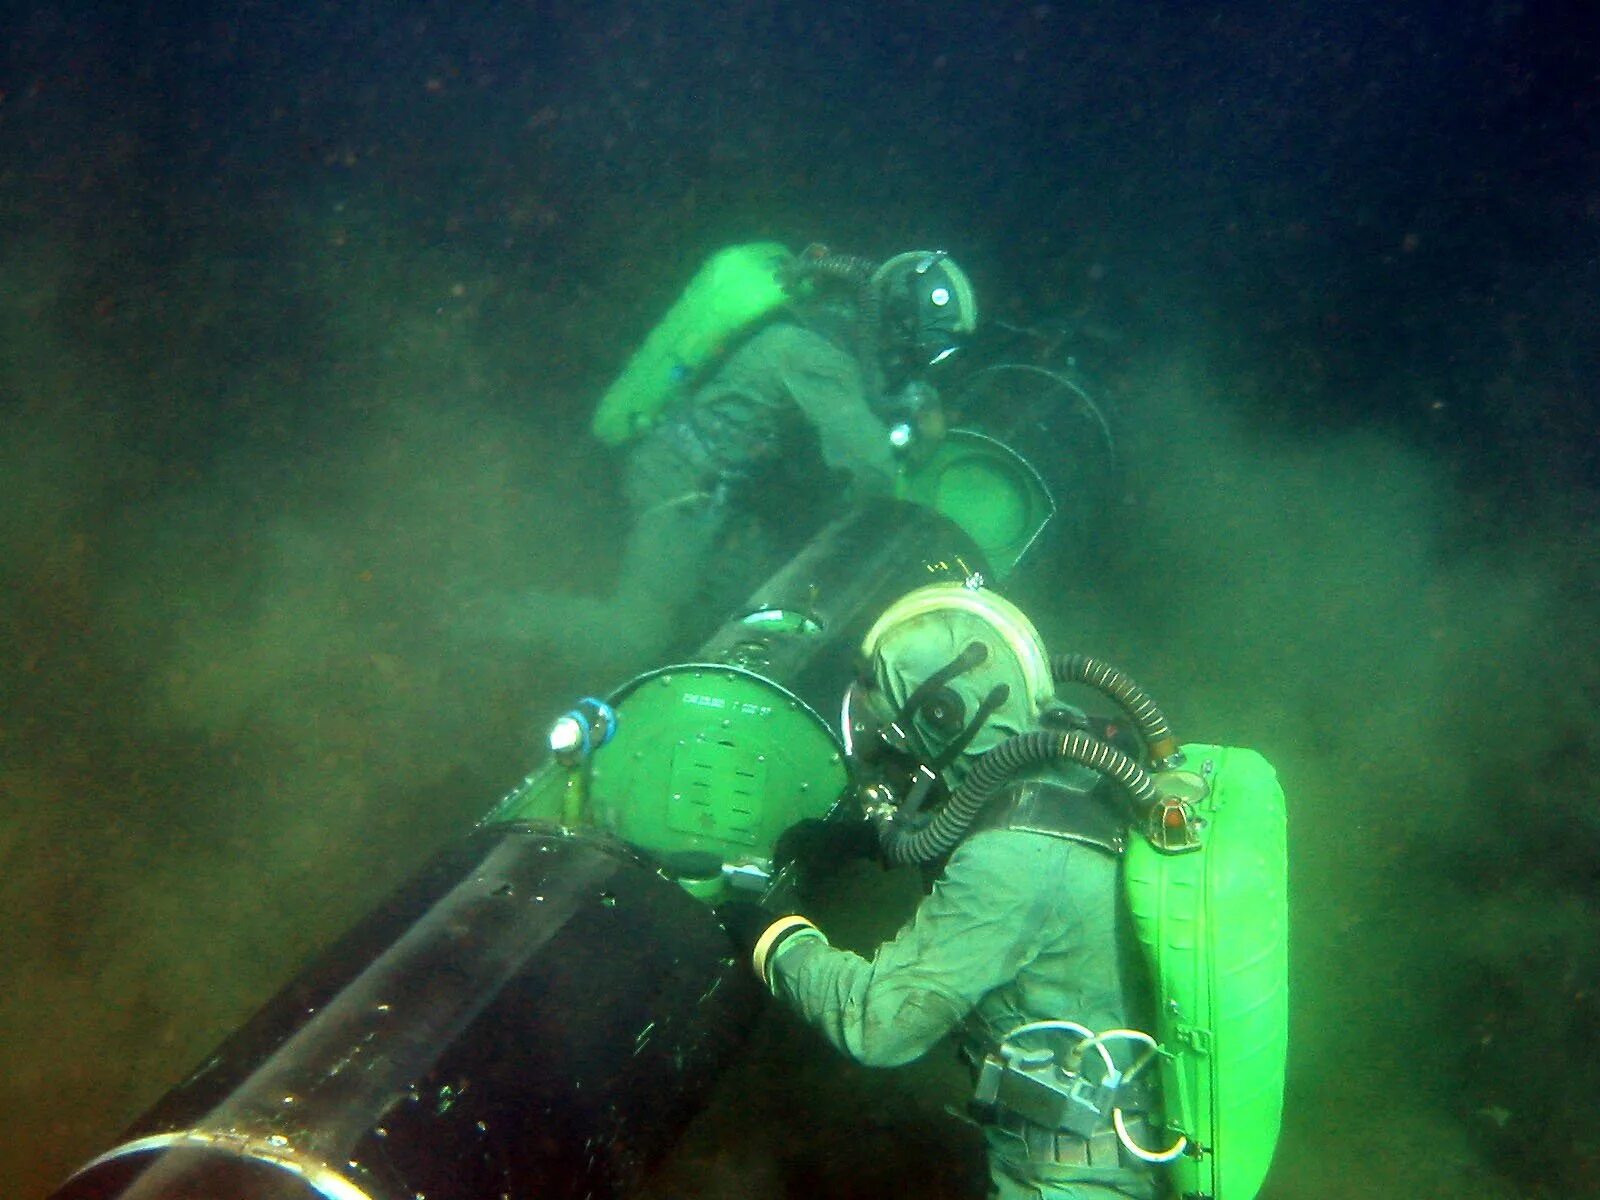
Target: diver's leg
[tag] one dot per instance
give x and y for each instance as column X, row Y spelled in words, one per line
column 663, row 570
column 664, row 558
column 664, row 561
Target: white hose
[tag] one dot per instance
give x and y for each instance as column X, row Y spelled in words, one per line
column 1086, row 1035
column 1088, row 1039
column 1138, row 1151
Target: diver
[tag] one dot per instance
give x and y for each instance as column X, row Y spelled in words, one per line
column 1021, row 946
column 777, row 387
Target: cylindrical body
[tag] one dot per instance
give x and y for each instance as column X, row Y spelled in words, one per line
column 720, row 755
column 533, row 1015
column 802, row 628
column 538, row 1012
column 1072, row 453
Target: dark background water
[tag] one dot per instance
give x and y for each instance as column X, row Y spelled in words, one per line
column 303, row 312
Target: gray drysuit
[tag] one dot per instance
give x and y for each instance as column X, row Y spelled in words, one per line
column 682, row 479
column 1021, row 926
column 736, row 423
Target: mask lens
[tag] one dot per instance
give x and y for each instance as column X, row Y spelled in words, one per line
column 944, row 713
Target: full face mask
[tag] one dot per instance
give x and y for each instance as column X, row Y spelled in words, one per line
column 948, row 672
column 927, row 303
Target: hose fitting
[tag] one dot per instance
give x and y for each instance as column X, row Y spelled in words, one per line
column 1115, row 685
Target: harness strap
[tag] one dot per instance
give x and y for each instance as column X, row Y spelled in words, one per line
column 1060, row 811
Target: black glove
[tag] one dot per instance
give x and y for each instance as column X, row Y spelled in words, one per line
column 748, row 923
column 745, row 921
column 818, row 848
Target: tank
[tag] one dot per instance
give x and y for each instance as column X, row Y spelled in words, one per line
column 718, row 755
column 541, row 1009
column 987, row 488
column 735, row 287
column 1213, row 923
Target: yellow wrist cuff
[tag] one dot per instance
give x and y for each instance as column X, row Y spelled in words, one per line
column 770, row 937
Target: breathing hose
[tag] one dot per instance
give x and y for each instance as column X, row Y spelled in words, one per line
column 845, row 268
column 993, row 770
column 1106, row 679
column 862, row 275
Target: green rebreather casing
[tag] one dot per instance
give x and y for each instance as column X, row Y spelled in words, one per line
column 1213, row 923
column 736, row 286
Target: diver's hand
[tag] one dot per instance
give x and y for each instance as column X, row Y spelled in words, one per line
column 931, row 426
column 757, row 934
column 817, row 849
column 745, row 922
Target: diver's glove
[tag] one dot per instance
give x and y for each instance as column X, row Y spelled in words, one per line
column 817, row 849
column 757, row 934
column 745, row 921
column 917, row 423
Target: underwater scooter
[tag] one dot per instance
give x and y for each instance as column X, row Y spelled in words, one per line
column 540, row 1010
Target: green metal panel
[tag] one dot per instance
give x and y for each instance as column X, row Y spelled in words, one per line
column 986, row 488
column 716, row 788
column 713, row 758
column 1214, row 926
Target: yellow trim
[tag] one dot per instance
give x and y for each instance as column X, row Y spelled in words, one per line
column 770, row 936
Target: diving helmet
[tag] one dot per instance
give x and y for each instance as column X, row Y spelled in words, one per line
column 927, row 304
column 949, row 670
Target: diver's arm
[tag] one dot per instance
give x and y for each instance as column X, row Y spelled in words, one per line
column 984, row 920
column 826, row 385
